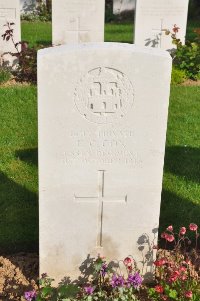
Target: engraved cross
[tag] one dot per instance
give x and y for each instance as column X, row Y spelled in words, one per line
column 159, row 33
column 78, row 29
column 100, row 199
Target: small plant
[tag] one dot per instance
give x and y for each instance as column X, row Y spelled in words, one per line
column 178, row 76
column 177, row 278
column 26, row 69
column 186, row 57
column 5, row 75
column 107, row 283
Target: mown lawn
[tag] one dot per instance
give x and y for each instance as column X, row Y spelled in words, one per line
column 39, row 33
column 18, row 153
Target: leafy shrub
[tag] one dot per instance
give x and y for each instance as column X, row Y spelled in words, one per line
column 178, row 76
column 5, row 75
column 26, row 69
column 186, row 57
column 177, row 270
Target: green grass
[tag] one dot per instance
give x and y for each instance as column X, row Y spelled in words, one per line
column 39, row 33
column 181, row 183
column 18, row 170
column 18, row 153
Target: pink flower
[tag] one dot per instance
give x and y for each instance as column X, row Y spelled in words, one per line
column 170, row 237
column 170, row 228
column 163, row 235
column 188, row 294
column 174, row 276
column 160, row 262
column 159, row 289
column 193, row 227
column 127, row 261
column 184, row 277
column 182, row 231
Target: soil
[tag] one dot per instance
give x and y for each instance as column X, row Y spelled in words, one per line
column 190, row 82
column 18, row 273
column 13, row 82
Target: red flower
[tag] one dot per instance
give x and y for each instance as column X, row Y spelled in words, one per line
column 170, row 228
column 188, row 294
column 174, row 276
column 159, row 289
column 127, row 261
column 193, row 227
column 175, row 28
column 182, row 231
column 160, row 262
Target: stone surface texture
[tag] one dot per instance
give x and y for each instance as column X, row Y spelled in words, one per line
column 9, row 12
column 102, row 128
column 120, row 6
column 153, row 17
column 77, row 21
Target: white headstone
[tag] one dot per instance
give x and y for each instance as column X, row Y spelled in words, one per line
column 153, row 17
column 77, row 21
column 102, row 128
column 120, row 6
column 9, row 12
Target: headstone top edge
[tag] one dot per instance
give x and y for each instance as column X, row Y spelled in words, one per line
column 102, row 45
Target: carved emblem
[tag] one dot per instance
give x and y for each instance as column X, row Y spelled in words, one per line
column 104, row 95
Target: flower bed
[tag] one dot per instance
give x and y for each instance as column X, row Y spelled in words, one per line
column 176, row 276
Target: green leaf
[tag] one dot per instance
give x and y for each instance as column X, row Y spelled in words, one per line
column 68, row 291
column 173, row 294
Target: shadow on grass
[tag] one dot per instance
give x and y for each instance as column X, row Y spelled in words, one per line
column 30, row 155
column 177, row 211
column 184, row 162
column 18, row 217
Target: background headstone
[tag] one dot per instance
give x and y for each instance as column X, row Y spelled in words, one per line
column 9, row 12
column 153, row 17
column 78, row 21
column 101, row 152
column 120, row 6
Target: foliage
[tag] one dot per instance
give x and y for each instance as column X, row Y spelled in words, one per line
column 186, row 57
column 26, row 69
column 5, row 75
column 177, row 278
column 107, row 283
column 41, row 13
column 178, row 76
